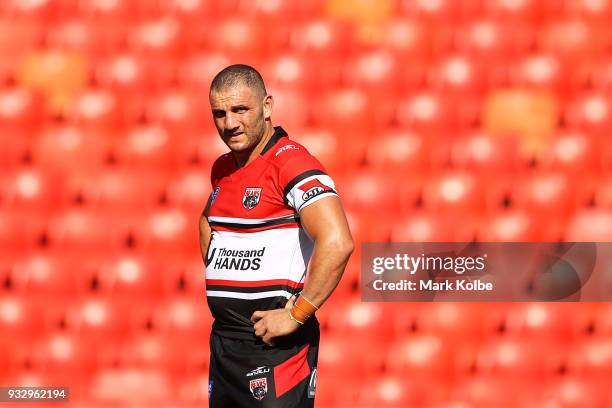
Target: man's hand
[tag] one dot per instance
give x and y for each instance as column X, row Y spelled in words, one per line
column 274, row 323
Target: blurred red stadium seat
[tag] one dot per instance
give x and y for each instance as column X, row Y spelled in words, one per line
column 375, row 72
column 573, row 38
column 100, row 319
column 576, row 153
column 371, row 189
column 494, row 41
column 320, row 38
column 132, row 276
column 124, row 386
column 524, row 10
column 169, row 230
column 189, row 189
column 456, row 191
column 326, row 146
column 87, row 230
column 35, row 189
column 182, row 316
column 490, row 391
column 432, row 226
column 459, row 321
column 154, row 350
column 603, row 194
column 39, row 11
column 428, row 113
column 547, row 321
column 20, row 318
column 161, row 37
column 123, row 188
column 591, row 357
column 542, row 71
column 439, row 11
column 575, row 392
column 528, row 360
column 457, row 75
column 130, row 75
column 487, row 154
column 399, row 150
column 97, row 109
column 596, row 11
column 67, row 148
column 21, row 230
column 94, row 40
column 147, row 147
column 179, row 110
column 398, row 391
column 424, row 355
column 408, row 39
column 193, row 389
column 590, row 225
column 591, row 112
column 21, row 111
column 356, row 318
column 198, row 71
column 289, row 71
column 548, row 194
column 17, row 37
column 49, row 275
column 345, row 110
column 509, row 226
column 238, row 38
column 291, row 108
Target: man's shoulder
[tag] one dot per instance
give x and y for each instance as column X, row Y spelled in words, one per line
column 288, row 150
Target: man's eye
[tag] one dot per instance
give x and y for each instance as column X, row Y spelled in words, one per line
column 218, row 114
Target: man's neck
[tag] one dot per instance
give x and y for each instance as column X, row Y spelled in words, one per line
column 246, row 158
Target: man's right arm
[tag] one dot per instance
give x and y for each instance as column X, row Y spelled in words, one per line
column 205, row 231
column 205, row 236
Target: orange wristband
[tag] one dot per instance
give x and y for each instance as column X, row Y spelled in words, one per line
column 303, row 309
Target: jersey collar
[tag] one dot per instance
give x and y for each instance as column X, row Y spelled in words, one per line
column 279, row 133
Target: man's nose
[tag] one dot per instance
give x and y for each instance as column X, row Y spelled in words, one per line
column 230, row 121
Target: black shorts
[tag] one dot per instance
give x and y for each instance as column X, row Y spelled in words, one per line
column 244, row 373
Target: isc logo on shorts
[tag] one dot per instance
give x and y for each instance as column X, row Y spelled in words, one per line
column 312, row 384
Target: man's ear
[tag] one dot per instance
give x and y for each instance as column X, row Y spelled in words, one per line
column 268, row 105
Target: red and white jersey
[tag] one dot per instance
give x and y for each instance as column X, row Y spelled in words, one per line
column 259, row 252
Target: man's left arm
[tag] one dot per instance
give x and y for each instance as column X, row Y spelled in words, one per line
column 326, row 224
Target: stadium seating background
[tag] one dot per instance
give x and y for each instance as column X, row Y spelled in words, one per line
column 440, row 121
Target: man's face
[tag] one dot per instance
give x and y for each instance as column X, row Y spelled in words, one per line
column 240, row 114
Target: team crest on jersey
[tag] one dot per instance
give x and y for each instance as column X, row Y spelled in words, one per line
column 313, row 188
column 251, row 197
column 259, row 388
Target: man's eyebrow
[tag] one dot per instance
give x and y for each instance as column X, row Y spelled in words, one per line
column 240, row 106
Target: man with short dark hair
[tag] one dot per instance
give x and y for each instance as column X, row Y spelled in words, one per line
column 273, row 214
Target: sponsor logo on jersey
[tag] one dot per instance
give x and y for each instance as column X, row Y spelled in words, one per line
column 214, row 195
column 210, row 388
column 258, row 370
column 237, row 259
column 251, row 197
column 285, row 148
column 313, row 188
column 259, row 388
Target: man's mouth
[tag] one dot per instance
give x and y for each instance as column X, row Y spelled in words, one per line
column 234, row 135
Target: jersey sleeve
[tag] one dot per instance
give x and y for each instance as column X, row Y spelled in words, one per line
column 305, row 181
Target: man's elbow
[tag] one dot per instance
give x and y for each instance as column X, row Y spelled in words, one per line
column 343, row 245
